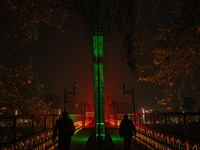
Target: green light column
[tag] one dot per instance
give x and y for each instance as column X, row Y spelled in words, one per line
column 99, row 87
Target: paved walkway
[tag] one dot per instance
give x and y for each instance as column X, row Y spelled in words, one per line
column 118, row 141
column 78, row 141
column 80, row 138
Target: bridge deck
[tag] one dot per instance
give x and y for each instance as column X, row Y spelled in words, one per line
column 118, row 141
column 80, row 139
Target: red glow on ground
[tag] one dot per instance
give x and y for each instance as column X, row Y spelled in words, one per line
column 90, row 126
column 109, row 125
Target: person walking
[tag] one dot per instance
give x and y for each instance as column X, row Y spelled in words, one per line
column 66, row 129
column 126, row 130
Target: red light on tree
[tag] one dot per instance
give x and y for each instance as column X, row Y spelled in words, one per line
column 110, row 102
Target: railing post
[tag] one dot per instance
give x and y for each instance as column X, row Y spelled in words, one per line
column 83, row 122
column 45, row 122
column 53, row 121
column 145, row 118
column 165, row 123
column 184, row 125
column 33, row 125
column 139, row 120
column 134, row 119
column 153, row 119
column 45, row 129
column 14, row 128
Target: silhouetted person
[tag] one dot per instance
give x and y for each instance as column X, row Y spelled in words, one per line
column 126, row 130
column 66, row 129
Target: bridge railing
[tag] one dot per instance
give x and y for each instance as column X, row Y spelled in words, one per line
column 31, row 131
column 167, row 130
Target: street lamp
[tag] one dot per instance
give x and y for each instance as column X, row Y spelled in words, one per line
column 69, row 92
column 84, row 104
column 132, row 94
column 115, row 105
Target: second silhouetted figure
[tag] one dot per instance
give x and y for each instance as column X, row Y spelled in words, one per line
column 126, row 130
column 66, row 129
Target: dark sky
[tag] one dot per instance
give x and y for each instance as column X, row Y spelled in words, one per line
column 61, row 59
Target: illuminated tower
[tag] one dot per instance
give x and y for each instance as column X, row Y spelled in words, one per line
column 99, row 85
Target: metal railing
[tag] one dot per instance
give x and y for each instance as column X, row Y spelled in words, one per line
column 31, row 131
column 167, row 130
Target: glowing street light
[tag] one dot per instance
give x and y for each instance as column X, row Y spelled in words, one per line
column 143, row 110
column 59, row 111
column 16, row 112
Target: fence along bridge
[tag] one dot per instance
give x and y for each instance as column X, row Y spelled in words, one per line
column 154, row 131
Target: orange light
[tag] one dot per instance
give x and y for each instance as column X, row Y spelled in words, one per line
column 4, row 108
column 169, row 108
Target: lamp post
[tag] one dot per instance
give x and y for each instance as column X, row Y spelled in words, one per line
column 69, row 92
column 84, row 104
column 132, row 94
column 115, row 109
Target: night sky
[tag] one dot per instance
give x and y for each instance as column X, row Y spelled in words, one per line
column 61, row 59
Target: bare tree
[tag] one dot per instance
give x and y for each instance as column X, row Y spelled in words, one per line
column 176, row 60
column 118, row 17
